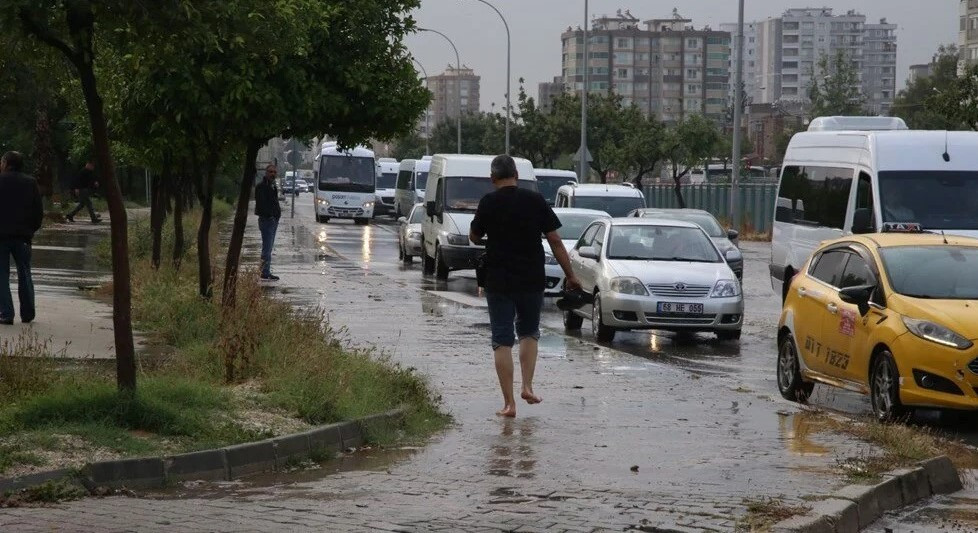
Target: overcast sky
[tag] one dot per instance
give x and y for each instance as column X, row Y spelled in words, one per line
column 536, row 26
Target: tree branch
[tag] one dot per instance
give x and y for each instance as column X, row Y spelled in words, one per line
column 46, row 36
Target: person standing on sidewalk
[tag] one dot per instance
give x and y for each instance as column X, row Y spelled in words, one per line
column 84, row 186
column 511, row 220
column 269, row 211
column 21, row 214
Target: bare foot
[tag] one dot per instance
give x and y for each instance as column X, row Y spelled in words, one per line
column 530, row 397
column 508, row 411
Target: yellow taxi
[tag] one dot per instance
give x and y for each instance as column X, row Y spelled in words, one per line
column 891, row 315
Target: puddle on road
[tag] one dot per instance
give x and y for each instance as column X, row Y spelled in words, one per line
column 798, row 431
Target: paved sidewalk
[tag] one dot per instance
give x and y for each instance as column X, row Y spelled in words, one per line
column 701, row 445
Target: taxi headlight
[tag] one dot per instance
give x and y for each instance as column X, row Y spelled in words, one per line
column 726, row 288
column 458, row 240
column 549, row 259
column 936, row 333
column 628, row 286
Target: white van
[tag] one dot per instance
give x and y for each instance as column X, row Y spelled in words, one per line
column 456, row 185
column 550, row 180
column 616, row 200
column 850, row 175
column 345, row 183
column 411, row 180
column 387, row 169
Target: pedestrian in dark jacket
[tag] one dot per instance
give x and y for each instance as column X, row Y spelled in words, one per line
column 84, row 186
column 268, row 211
column 21, row 213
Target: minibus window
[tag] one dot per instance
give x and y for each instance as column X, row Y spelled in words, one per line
column 814, row 196
column 935, row 199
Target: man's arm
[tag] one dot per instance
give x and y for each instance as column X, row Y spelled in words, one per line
column 38, row 203
column 476, row 230
column 560, row 253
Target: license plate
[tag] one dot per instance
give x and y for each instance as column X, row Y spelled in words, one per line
column 672, row 307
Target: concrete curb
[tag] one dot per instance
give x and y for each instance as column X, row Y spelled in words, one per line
column 227, row 463
column 855, row 507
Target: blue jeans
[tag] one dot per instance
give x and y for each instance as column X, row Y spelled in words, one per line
column 268, row 226
column 20, row 250
column 523, row 308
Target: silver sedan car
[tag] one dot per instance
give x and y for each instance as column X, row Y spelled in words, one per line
column 409, row 234
column 654, row 274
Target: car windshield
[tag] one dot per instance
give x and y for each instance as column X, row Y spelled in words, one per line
column 347, row 173
column 940, row 272
column 420, row 181
column 572, row 226
column 661, row 243
column 616, row 206
column 703, row 220
column 464, row 194
column 935, row 199
column 548, row 186
column 417, row 216
column 387, row 180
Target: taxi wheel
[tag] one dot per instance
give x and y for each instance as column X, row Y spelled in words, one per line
column 884, row 389
column 790, row 383
column 601, row 332
column 572, row 321
column 441, row 268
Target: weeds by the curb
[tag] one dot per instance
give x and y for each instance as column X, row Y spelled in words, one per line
column 762, row 513
column 55, row 491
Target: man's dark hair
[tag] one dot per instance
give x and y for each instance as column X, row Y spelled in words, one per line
column 14, row 160
column 503, row 167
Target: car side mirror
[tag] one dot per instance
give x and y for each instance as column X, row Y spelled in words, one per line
column 429, row 209
column 402, row 220
column 858, row 296
column 862, row 221
column 733, row 235
column 731, row 255
column 588, row 252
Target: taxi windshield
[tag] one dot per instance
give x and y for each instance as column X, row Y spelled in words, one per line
column 661, row 243
column 933, row 272
column 935, row 199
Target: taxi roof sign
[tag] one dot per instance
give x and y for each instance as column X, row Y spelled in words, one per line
column 902, row 227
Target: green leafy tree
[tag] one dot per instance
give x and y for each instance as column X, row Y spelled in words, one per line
column 639, row 150
column 688, row 143
column 482, row 133
column 410, row 146
column 958, row 102
column 914, row 103
column 835, row 88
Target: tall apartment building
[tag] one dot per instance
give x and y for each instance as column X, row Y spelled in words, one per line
column 667, row 68
column 780, row 54
column 547, row 91
column 968, row 33
column 445, row 103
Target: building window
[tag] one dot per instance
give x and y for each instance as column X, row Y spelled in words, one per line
column 623, row 42
column 692, row 43
column 625, row 58
column 622, row 74
column 692, row 74
column 693, row 88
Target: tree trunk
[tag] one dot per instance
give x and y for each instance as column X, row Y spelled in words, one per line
column 677, row 188
column 43, row 153
column 178, row 237
column 125, row 351
column 240, row 220
column 157, row 209
column 205, row 284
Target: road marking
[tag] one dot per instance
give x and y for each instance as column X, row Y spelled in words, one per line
column 464, row 299
column 57, row 248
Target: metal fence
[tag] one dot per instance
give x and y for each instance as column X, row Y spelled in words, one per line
column 756, row 201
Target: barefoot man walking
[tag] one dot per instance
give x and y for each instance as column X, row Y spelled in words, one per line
column 511, row 220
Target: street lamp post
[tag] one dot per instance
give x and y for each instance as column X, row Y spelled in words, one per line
column 509, row 43
column 738, row 105
column 427, row 127
column 583, row 154
column 458, row 85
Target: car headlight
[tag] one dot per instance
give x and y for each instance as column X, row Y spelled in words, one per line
column 549, row 259
column 323, row 202
column 367, row 205
column 414, row 235
column 936, row 333
column 725, row 288
column 458, row 240
column 629, row 286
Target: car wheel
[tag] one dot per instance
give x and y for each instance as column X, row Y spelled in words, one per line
column 400, row 250
column 319, row 219
column 408, row 259
column 728, row 335
column 427, row 263
column 884, row 389
column 572, row 321
column 361, row 221
column 790, row 383
column 601, row 332
column 441, row 268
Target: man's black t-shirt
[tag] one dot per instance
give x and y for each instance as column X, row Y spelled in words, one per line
column 514, row 221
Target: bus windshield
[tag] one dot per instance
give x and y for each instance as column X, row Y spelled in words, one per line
column 387, row 180
column 347, row 173
column 464, row 194
column 935, row 199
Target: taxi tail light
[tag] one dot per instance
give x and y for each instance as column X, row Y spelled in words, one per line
column 926, row 380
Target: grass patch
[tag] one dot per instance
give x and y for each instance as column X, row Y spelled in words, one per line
column 48, row 492
column 762, row 513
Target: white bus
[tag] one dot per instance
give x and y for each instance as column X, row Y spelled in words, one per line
column 346, row 183
column 849, row 175
column 387, row 169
